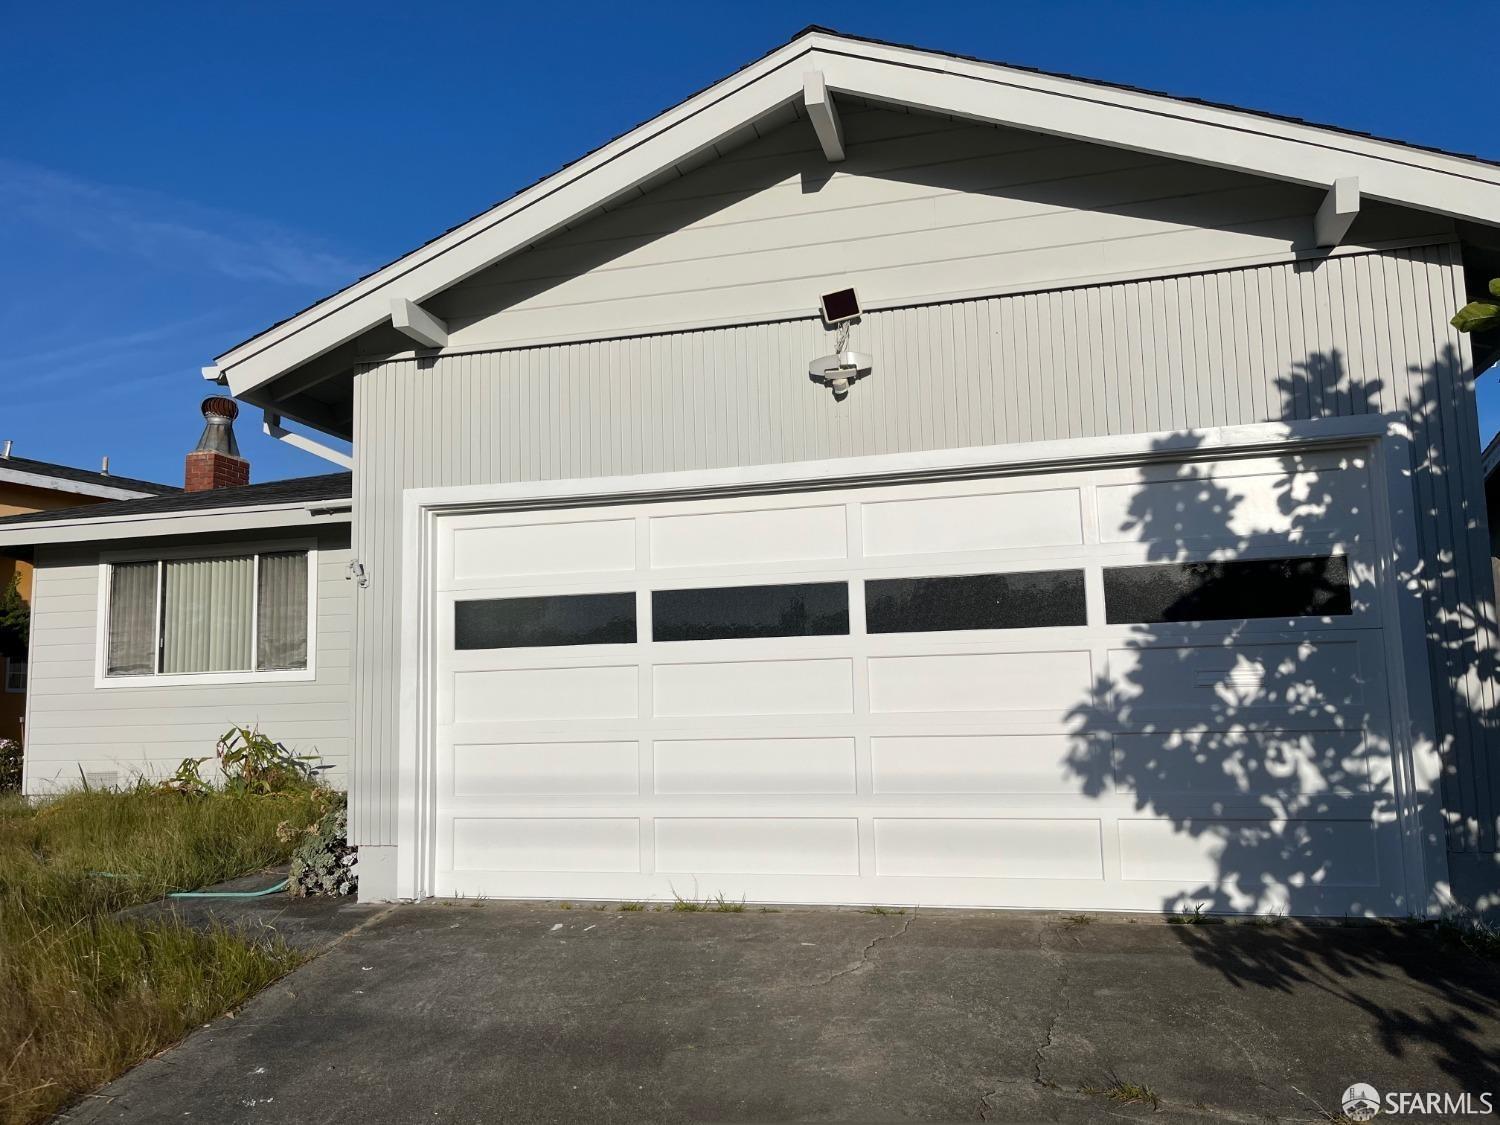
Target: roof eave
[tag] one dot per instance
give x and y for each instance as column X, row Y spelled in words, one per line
column 989, row 92
column 200, row 521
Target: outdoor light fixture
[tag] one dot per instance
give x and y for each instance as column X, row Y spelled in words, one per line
column 839, row 370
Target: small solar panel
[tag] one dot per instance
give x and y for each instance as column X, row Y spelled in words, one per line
column 839, row 307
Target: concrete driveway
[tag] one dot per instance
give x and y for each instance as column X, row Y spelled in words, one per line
column 490, row 1012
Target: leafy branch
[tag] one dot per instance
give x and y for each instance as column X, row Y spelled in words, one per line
column 1482, row 315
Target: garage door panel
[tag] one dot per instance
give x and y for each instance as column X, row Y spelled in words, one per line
column 990, row 848
column 755, row 766
column 1308, row 678
column 738, row 539
column 1212, row 852
column 521, row 694
column 757, row 845
column 992, row 521
column 994, row 681
column 944, row 763
column 543, row 549
column 1283, row 766
column 754, row 687
column 546, row 769
column 546, row 844
column 1232, row 503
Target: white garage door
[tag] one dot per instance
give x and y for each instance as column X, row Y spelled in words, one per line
column 1123, row 688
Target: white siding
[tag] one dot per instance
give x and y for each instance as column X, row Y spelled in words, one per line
column 1346, row 335
column 923, row 208
column 149, row 730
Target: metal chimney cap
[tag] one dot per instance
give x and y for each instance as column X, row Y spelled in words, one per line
column 220, row 407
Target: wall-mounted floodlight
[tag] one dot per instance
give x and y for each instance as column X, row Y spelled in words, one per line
column 840, row 307
column 840, row 369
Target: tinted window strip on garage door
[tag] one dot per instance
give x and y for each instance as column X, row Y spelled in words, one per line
column 558, row 619
column 1227, row 591
column 806, row 609
column 1026, row 600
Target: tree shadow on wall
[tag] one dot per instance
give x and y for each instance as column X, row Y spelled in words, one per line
column 1243, row 730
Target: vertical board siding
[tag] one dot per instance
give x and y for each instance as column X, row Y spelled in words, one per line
column 147, row 731
column 1353, row 334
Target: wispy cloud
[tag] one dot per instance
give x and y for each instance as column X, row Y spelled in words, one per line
column 171, row 233
column 109, row 365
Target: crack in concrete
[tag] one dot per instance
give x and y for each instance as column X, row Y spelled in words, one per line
column 1058, row 1004
column 865, row 960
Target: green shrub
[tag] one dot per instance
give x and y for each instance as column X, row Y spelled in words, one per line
column 248, row 762
column 10, row 764
column 324, row 863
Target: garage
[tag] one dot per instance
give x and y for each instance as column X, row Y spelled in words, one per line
column 1101, row 682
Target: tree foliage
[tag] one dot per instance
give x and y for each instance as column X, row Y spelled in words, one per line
column 1480, row 316
column 15, row 621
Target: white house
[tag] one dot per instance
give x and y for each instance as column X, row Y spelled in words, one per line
column 1118, row 542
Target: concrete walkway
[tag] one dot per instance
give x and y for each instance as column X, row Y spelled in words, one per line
column 494, row 1012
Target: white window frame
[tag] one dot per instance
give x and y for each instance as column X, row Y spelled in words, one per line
column 107, row 563
column 11, row 664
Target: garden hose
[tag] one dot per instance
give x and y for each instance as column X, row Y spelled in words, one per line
column 281, row 886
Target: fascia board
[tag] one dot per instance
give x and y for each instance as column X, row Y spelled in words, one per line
column 1159, row 107
column 318, row 512
column 1239, row 142
column 76, row 487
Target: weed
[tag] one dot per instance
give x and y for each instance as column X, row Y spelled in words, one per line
column 1073, row 921
column 565, row 906
column 881, row 910
column 1480, row 938
column 1126, row 1093
column 716, row 905
column 1196, row 918
column 769, row 910
column 249, row 762
column 630, row 906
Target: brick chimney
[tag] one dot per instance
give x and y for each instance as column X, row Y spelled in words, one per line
column 216, row 462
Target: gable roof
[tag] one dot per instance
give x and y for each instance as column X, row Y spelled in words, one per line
column 275, row 503
column 65, row 478
column 770, row 91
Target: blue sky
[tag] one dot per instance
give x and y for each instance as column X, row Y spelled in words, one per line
column 175, row 177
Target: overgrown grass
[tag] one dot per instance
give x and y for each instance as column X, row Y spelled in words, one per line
column 85, row 995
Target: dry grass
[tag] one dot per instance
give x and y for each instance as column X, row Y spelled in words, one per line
column 84, row 995
column 1125, row 1093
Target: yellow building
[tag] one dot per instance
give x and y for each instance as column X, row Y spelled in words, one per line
column 39, row 486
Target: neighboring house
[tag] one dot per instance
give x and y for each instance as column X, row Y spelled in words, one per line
column 38, row 486
column 159, row 622
column 1118, row 543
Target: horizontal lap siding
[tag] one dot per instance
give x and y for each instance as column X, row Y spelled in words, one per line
column 149, row 730
column 922, row 208
column 1347, row 335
